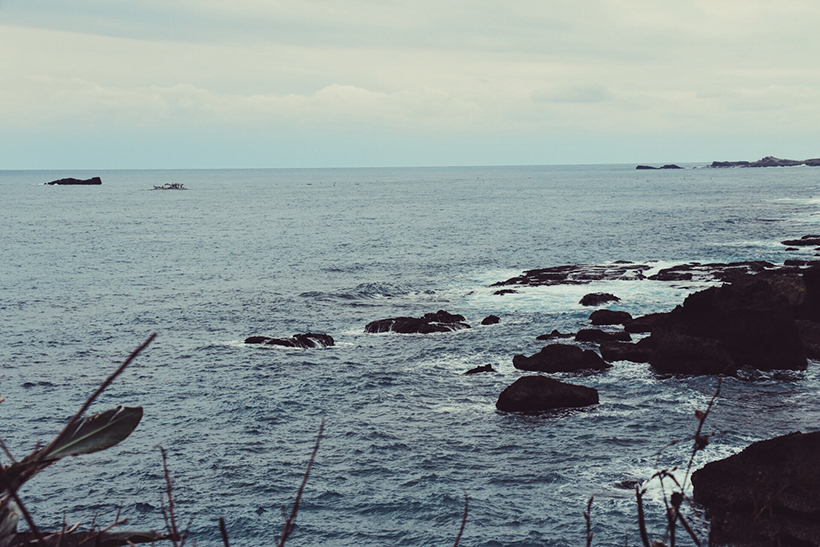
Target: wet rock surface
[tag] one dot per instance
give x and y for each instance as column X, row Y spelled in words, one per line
column 441, row 321
column 307, row 340
column 539, row 393
column 640, row 352
column 560, row 358
column 598, row 298
column 491, row 320
column 577, row 274
column 767, row 495
column 479, row 369
column 598, row 335
column 609, row 317
column 555, row 334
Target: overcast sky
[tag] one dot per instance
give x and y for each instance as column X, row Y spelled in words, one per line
column 310, row 83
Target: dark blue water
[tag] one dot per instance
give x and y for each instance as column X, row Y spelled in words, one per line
column 87, row 273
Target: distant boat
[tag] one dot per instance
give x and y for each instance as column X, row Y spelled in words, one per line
column 171, row 186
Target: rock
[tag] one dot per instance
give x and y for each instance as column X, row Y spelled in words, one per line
column 598, row 298
column 73, row 182
column 768, row 161
column 554, row 334
column 767, row 495
column 441, row 321
column 671, row 166
column 482, row 368
column 680, row 354
column 609, row 317
column 748, row 320
column 626, row 351
column 805, row 241
column 491, row 320
column 560, row 358
column 645, row 167
column 811, row 302
column 597, row 335
column 502, row 292
column 644, row 323
column 810, row 335
column 308, row 340
column 578, row 274
column 539, row 393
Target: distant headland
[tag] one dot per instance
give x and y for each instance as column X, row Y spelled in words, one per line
column 71, row 181
column 768, row 161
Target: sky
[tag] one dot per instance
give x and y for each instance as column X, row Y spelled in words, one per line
column 355, row 83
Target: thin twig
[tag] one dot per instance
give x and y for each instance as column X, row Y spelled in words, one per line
column 701, row 421
column 172, row 529
column 27, row 516
column 587, row 517
column 224, row 532
column 463, row 522
column 6, row 451
column 641, row 519
column 291, row 520
column 101, row 531
column 689, row 529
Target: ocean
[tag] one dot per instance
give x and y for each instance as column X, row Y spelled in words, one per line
column 87, row 273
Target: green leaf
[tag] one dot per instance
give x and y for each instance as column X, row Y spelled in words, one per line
column 97, row 432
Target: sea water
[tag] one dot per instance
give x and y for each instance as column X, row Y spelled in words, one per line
column 88, row 272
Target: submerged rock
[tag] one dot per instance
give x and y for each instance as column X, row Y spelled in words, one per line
column 554, row 334
column 441, row 321
column 767, row 495
column 560, row 358
column 539, row 393
column 491, row 320
column 307, row 340
column 627, row 351
column 482, row 368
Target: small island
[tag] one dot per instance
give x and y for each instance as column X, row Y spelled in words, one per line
column 73, row 182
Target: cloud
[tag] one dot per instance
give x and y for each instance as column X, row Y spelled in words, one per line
column 571, row 94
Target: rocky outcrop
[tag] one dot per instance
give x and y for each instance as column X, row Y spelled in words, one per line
column 598, row 298
column 723, row 328
column 609, row 317
column 482, row 368
column 767, row 495
column 598, row 335
column 805, row 241
column 441, row 321
column 768, row 161
column 560, row 358
column 307, row 340
column 491, row 320
column 539, row 393
column 578, row 274
column 667, row 166
column 74, row 182
column 640, row 352
column 644, row 323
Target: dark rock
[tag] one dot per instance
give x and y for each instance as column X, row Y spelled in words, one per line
column 644, row 323
column 811, row 302
column 597, row 335
column 560, row 358
column 680, row 354
column 671, row 166
column 810, row 335
column 539, row 393
column 502, row 292
column 626, row 351
column 308, row 340
column 598, row 298
column 609, row 317
column 554, row 334
column 768, row 161
column 482, row 368
column 792, row 249
column 805, row 241
column 74, row 182
column 767, row 495
column 645, row 167
column 490, row 320
column 628, row 484
column 441, row 321
column 578, row 274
